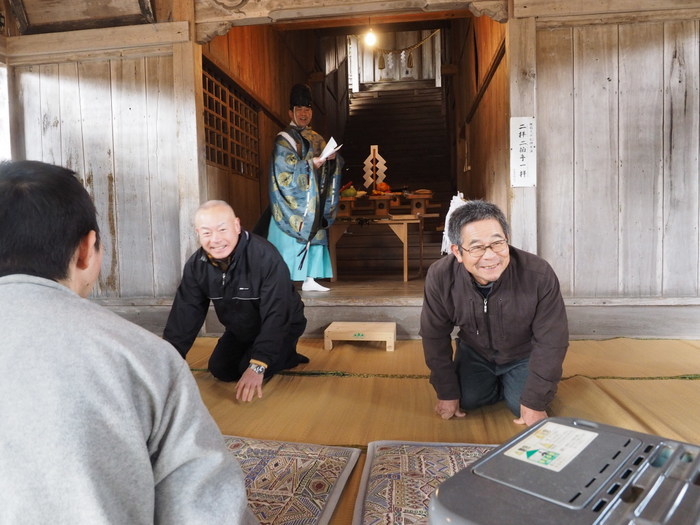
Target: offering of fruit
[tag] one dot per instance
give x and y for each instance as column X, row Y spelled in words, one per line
column 383, row 187
column 350, row 191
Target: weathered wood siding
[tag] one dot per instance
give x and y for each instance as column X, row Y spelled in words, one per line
column 111, row 119
column 618, row 125
column 5, row 145
column 479, row 95
column 556, row 9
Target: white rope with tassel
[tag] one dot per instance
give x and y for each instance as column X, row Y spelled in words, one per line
column 456, row 202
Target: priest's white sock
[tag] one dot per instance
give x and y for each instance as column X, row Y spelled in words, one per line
column 310, row 285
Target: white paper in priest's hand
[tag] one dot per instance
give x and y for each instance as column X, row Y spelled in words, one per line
column 331, row 147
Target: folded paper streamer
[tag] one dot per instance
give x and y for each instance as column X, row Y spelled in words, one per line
column 455, row 203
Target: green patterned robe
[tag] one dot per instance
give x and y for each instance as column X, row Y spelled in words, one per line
column 303, row 200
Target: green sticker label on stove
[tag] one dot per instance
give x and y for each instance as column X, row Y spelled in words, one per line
column 552, row 446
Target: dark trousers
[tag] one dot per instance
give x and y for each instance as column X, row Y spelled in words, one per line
column 231, row 357
column 485, row 383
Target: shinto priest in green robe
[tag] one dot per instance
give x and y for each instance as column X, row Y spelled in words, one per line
column 303, row 201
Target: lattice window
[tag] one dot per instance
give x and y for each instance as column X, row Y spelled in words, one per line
column 230, row 124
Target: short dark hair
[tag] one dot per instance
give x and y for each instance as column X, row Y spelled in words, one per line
column 44, row 213
column 472, row 211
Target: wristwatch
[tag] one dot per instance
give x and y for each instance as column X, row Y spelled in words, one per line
column 258, row 369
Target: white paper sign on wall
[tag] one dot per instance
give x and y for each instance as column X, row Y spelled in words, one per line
column 523, row 152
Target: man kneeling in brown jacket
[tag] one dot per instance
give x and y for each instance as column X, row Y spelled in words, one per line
column 513, row 331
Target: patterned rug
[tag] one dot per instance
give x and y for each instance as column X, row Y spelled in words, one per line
column 400, row 477
column 292, row 483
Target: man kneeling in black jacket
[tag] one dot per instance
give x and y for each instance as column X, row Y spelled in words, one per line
column 254, row 298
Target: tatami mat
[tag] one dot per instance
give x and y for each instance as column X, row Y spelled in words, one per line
column 358, row 393
column 632, row 358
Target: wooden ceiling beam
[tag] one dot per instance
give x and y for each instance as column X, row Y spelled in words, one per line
column 349, row 23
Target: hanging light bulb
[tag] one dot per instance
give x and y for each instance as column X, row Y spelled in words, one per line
column 370, row 38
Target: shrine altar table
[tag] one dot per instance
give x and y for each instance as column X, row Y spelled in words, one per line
column 397, row 223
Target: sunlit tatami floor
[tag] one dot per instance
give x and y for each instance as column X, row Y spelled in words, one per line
column 358, row 393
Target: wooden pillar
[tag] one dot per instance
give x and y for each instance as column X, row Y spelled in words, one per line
column 191, row 164
column 521, row 57
column 5, row 143
column 189, row 102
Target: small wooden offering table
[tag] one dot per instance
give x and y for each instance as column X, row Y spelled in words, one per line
column 360, row 331
column 397, row 223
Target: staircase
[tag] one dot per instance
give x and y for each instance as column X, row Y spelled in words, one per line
column 407, row 121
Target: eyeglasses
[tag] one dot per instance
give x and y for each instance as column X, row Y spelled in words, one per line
column 479, row 251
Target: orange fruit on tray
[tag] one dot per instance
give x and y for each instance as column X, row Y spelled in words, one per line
column 383, row 187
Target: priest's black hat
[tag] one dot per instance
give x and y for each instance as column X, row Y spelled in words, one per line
column 300, row 95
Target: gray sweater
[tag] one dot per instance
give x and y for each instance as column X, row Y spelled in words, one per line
column 101, row 421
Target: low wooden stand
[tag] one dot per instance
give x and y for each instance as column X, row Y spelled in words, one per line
column 381, row 203
column 360, row 331
column 345, row 206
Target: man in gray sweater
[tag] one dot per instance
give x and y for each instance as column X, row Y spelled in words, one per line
column 102, row 421
column 513, row 331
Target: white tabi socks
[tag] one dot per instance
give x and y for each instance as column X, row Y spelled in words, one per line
column 310, row 285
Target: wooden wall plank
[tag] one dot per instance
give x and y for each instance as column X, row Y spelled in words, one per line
column 267, row 129
column 427, row 54
column 343, row 103
column 245, row 196
column 162, row 155
column 218, row 51
column 489, row 139
column 135, row 238
column 242, row 193
column 596, row 161
column 26, row 114
column 562, row 8
column 189, row 130
column 489, row 36
column 367, row 64
column 116, row 124
column 682, row 111
column 98, row 149
column 117, row 39
column 461, row 89
column 635, row 185
column 5, row 137
column 555, row 159
column 486, row 129
column 71, row 133
column 217, row 189
column 521, row 58
column 641, row 158
column 49, row 103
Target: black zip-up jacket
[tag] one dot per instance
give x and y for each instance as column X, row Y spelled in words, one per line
column 254, row 299
column 523, row 316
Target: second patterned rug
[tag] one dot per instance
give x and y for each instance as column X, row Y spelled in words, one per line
column 400, row 477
